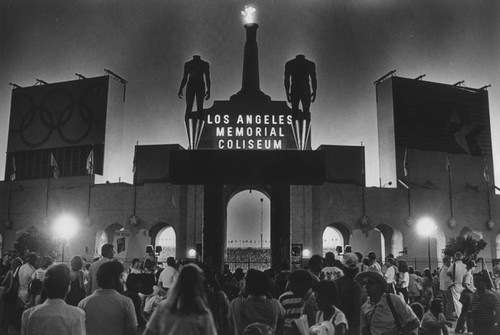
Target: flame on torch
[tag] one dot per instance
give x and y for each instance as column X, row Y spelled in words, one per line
column 248, row 14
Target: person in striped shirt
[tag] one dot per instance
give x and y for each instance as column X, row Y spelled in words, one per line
column 298, row 300
column 485, row 306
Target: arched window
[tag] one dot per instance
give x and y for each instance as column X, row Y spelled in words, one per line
column 166, row 238
column 332, row 238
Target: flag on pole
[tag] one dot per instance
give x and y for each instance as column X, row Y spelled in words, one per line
column 405, row 163
column 13, row 170
column 486, row 173
column 90, row 162
column 448, row 165
column 54, row 166
column 134, row 162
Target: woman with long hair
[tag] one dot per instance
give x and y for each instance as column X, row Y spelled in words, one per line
column 77, row 289
column 404, row 279
column 185, row 311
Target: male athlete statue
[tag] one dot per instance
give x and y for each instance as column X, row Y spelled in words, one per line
column 299, row 70
column 196, row 73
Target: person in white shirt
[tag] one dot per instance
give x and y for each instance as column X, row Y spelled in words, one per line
column 390, row 274
column 372, row 259
column 54, row 316
column 107, row 311
column 457, row 272
column 25, row 272
column 108, row 253
column 169, row 275
column 444, row 286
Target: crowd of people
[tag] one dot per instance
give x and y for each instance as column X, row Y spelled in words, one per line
column 347, row 294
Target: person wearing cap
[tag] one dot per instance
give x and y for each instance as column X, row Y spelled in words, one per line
column 384, row 313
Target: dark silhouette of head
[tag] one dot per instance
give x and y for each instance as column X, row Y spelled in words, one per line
column 76, row 263
column 46, row 261
column 326, row 293
column 171, row 261
column 109, row 276
column 108, row 251
column 56, row 281
column 256, row 283
column 316, row 263
column 300, row 281
column 329, row 258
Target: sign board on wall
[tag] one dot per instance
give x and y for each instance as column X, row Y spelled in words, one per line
column 248, row 125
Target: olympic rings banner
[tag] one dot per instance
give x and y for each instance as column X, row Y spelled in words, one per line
column 58, row 115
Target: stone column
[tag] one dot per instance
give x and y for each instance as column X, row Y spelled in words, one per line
column 280, row 225
column 213, row 226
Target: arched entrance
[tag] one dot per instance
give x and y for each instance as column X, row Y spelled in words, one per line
column 107, row 235
column 335, row 235
column 248, row 234
column 166, row 239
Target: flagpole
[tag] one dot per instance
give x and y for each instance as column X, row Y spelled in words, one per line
column 487, row 179
column 135, row 176
column 448, row 165
column 10, row 200
column 90, row 178
column 406, row 166
column 48, row 185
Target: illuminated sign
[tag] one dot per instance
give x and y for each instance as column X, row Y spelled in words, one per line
column 258, row 132
column 230, row 126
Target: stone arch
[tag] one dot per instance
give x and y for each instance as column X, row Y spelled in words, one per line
column 155, row 229
column 337, row 240
column 168, row 244
column 388, row 234
column 344, row 229
column 104, row 236
column 231, row 190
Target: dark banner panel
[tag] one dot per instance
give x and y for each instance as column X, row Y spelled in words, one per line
column 247, row 167
column 153, row 163
column 344, row 164
column 438, row 117
column 57, row 115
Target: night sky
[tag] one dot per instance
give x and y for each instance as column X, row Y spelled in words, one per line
column 352, row 42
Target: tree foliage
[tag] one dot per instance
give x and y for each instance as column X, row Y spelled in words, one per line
column 469, row 246
column 33, row 240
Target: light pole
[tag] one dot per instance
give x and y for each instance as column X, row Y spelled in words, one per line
column 426, row 227
column 261, row 223
column 64, row 227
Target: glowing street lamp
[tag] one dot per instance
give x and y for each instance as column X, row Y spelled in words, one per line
column 426, row 227
column 65, row 227
column 306, row 253
column 192, row 253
